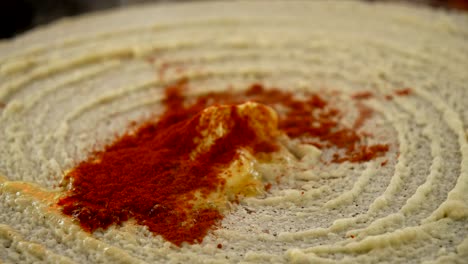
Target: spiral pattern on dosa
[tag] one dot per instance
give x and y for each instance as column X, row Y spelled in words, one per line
column 69, row 88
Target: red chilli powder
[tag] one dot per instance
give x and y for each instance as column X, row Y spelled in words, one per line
column 148, row 175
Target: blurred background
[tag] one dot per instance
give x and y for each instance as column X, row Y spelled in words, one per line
column 17, row 16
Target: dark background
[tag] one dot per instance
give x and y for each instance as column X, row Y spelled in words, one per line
column 17, row 16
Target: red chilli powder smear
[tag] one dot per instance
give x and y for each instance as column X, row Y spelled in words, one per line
column 403, row 92
column 148, row 175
